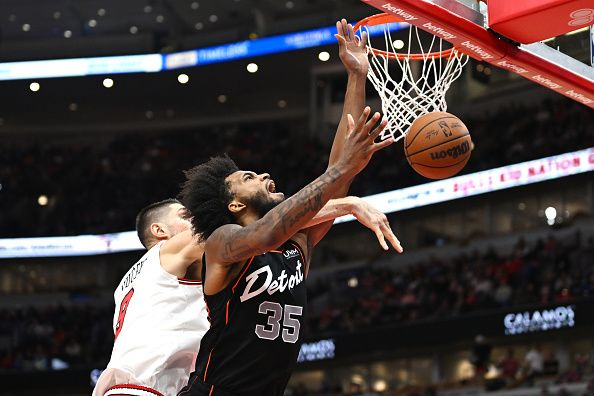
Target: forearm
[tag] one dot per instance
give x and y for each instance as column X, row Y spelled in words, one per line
column 281, row 222
column 334, row 208
column 354, row 102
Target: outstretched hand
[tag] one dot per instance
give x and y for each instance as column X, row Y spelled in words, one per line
column 377, row 222
column 351, row 49
column 359, row 144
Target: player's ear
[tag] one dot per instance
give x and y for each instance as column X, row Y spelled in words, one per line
column 235, row 206
column 158, row 230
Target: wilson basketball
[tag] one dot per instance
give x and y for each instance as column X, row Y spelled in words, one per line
column 437, row 145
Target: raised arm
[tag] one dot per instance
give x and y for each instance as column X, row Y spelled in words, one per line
column 231, row 243
column 353, row 55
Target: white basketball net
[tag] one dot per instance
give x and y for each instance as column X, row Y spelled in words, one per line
column 421, row 90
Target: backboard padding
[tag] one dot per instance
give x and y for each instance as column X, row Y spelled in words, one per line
column 464, row 28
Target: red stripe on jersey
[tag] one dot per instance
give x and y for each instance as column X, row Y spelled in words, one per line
column 227, row 313
column 242, row 274
column 207, row 364
column 131, row 386
column 189, row 280
column 190, row 283
column 275, row 251
column 211, row 390
column 207, row 309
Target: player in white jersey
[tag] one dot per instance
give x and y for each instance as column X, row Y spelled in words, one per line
column 160, row 314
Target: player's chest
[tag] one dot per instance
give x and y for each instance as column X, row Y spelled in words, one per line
column 275, row 275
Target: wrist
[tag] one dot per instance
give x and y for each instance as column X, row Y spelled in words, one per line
column 351, row 204
column 343, row 169
column 357, row 75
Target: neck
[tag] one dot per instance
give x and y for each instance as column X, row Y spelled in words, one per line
column 247, row 218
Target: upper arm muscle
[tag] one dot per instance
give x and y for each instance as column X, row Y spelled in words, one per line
column 179, row 252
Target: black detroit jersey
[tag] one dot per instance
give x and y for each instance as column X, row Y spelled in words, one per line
column 252, row 345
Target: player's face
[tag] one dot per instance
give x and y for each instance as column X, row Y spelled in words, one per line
column 176, row 219
column 256, row 191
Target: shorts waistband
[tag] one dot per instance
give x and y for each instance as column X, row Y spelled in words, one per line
column 131, row 390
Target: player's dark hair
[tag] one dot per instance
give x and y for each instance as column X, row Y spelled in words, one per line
column 206, row 195
column 148, row 215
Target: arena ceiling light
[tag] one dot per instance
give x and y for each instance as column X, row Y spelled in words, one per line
column 183, row 78
column 324, row 56
column 252, row 67
column 34, row 86
column 398, row 44
column 42, row 200
column 108, row 83
column 551, row 215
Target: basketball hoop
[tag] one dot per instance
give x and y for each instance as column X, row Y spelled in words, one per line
column 422, row 87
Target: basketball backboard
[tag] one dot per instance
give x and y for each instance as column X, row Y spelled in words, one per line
column 464, row 24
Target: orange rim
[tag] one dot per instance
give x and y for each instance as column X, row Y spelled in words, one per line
column 384, row 19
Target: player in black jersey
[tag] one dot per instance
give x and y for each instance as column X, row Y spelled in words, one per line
column 257, row 252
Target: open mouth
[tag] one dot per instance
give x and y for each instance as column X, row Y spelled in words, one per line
column 271, row 186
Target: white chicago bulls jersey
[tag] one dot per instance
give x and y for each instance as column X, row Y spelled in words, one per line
column 158, row 323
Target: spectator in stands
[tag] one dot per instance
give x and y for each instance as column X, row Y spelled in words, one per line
column 79, row 177
column 550, row 365
column 509, row 366
column 481, row 356
column 533, row 364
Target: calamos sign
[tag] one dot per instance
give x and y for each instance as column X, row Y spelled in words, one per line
column 539, row 320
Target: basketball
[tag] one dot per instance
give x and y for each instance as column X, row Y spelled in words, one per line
column 437, row 145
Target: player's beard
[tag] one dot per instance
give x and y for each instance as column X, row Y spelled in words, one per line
column 262, row 203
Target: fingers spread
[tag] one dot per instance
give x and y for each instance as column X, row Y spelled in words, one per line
column 371, row 122
column 380, row 238
column 376, row 132
column 383, row 144
column 363, row 117
column 363, row 41
column 345, row 29
column 351, row 31
column 393, row 240
column 341, row 40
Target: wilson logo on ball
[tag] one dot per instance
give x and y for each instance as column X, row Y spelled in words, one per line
column 453, row 152
column 445, row 128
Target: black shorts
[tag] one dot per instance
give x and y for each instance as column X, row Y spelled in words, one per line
column 197, row 387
